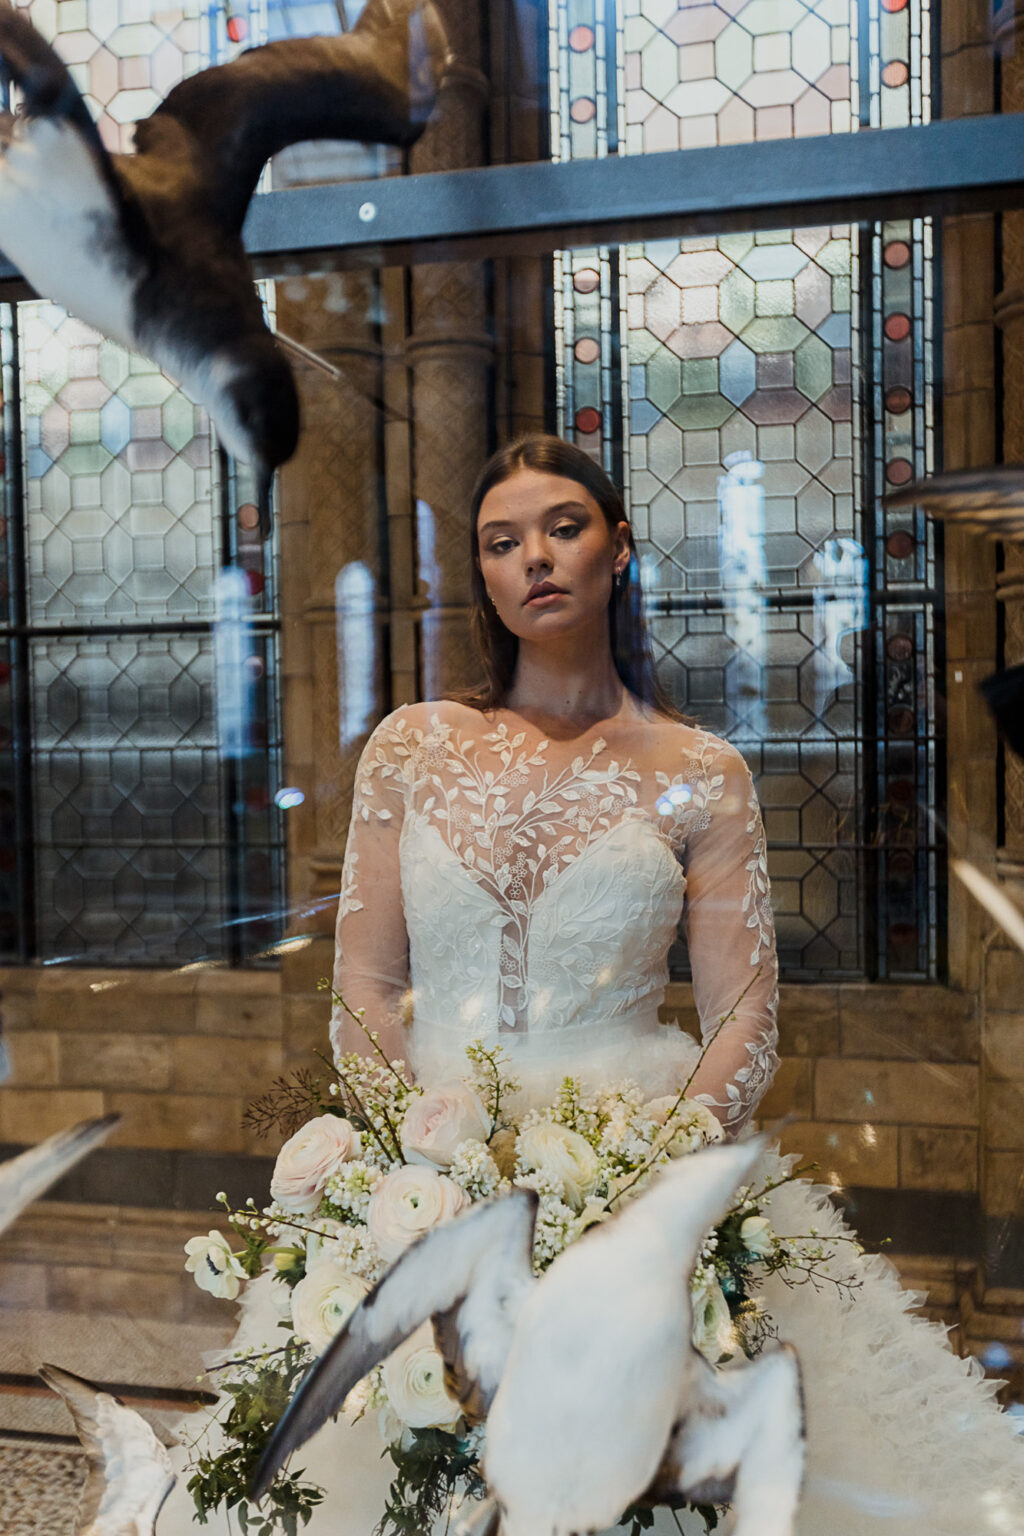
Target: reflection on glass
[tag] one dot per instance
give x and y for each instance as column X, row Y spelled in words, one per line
column 743, row 577
column 356, row 642
column 236, row 663
column 840, row 608
column 430, row 584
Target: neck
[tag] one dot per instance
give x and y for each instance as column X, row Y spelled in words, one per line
column 572, row 679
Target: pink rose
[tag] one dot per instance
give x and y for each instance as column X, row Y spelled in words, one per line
column 307, row 1160
column 438, row 1120
column 408, row 1202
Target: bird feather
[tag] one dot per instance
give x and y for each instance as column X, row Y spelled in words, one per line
column 25, row 1177
column 130, row 1471
column 479, row 1264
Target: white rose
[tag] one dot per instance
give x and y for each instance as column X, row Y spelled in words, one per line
column 307, row 1160
column 214, row 1266
column 713, row 1333
column 562, row 1154
column 323, row 1301
column 408, row 1202
column 414, row 1381
column 756, row 1236
column 437, row 1121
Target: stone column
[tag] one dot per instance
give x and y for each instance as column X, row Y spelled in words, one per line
column 331, row 525
column 450, row 355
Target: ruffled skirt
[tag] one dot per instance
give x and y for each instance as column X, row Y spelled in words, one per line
column 902, row 1435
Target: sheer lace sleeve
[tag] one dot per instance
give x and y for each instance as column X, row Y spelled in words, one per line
column 371, row 946
column 730, row 932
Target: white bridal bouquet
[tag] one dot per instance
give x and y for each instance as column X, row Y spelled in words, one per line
column 372, row 1162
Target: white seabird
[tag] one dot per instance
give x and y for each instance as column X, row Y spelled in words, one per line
column 594, row 1394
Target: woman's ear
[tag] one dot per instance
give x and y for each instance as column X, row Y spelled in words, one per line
column 622, row 540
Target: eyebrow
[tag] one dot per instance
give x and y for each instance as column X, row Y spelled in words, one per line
column 560, row 506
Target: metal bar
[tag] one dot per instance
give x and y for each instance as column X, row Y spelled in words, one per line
column 782, row 599
column 260, row 624
column 932, row 168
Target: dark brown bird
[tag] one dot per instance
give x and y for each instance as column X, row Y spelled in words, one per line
column 147, row 248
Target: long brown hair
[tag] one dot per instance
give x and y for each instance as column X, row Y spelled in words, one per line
column 497, row 646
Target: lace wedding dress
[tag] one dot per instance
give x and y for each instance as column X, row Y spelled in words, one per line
column 527, row 891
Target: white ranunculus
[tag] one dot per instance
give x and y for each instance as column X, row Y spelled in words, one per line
column 307, row 1160
column 438, row 1120
column 407, row 1202
column 713, row 1332
column 756, row 1236
column 214, row 1266
column 323, row 1301
column 547, row 1147
column 414, row 1382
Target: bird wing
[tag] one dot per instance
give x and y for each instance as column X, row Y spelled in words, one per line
column 740, row 1438
column 375, row 84
column 29, row 62
column 479, row 1264
column 130, row 1472
column 25, row 1177
column 989, row 499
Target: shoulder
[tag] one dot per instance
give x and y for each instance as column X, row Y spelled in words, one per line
column 682, row 749
column 413, row 723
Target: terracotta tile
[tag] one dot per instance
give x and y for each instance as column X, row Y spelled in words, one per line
column 31, row 1114
column 933, row 1157
column 916, row 1093
column 847, row 1154
column 127, row 1061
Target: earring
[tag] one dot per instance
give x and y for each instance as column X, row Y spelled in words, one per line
column 620, row 578
column 493, row 603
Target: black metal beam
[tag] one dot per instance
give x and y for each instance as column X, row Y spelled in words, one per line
column 966, row 163
column 942, row 167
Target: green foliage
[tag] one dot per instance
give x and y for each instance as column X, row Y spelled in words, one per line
column 259, row 1394
column 432, row 1467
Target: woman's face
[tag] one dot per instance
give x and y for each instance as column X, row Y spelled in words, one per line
column 547, row 555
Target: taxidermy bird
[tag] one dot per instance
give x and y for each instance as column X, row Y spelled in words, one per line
column 25, row 1177
column 594, row 1394
column 147, row 248
column 990, row 501
column 130, row 1472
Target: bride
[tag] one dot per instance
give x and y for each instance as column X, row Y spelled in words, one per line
column 519, row 861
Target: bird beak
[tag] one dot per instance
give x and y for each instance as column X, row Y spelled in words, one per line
column 264, row 482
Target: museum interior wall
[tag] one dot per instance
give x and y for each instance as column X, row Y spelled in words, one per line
column 906, row 1092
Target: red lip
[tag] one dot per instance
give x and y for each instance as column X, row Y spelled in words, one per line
column 542, row 589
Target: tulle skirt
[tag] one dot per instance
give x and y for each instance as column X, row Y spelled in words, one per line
column 902, row 1435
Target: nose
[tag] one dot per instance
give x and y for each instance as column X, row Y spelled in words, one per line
column 536, row 557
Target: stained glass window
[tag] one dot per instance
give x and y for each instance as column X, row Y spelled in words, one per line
column 137, row 649
column 758, row 394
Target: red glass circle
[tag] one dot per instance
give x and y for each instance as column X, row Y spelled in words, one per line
column 248, row 515
column 900, row 545
column 901, row 864
column 897, row 327
column 898, row 400
column 901, row 722
column 254, row 581
column 238, row 29
column 899, row 471
column 586, row 350
column 892, row 6
column 583, row 109
column 899, row 647
column 895, row 73
column 587, row 420
column 586, row 280
column 5, row 672
column 901, row 791
column 896, row 254
column 582, row 38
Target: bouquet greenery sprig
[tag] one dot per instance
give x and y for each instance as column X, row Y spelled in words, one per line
column 372, row 1161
